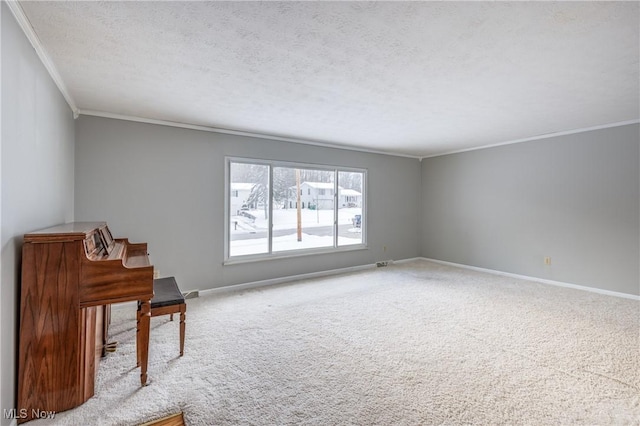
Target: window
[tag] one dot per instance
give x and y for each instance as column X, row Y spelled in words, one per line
column 263, row 219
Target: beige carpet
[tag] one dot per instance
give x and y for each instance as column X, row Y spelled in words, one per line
column 417, row 343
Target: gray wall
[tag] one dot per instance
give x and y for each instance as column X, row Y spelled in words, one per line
column 37, row 153
column 165, row 186
column 574, row 198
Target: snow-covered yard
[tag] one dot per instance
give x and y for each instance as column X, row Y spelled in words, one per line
column 284, row 220
column 286, row 242
column 287, row 219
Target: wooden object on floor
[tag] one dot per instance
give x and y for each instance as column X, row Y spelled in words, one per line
column 172, row 420
column 71, row 274
column 168, row 300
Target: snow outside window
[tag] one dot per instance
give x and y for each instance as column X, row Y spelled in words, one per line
column 263, row 218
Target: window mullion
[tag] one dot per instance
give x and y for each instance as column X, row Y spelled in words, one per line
column 243, row 193
column 270, row 221
column 335, row 208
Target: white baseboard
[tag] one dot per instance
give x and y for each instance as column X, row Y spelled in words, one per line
column 539, row 280
column 412, row 259
column 282, row 280
column 274, row 281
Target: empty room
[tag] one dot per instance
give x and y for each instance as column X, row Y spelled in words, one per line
column 319, row 213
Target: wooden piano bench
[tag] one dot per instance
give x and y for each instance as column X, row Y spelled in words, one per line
column 168, row 300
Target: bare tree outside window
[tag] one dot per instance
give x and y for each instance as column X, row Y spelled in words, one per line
column 278, row 208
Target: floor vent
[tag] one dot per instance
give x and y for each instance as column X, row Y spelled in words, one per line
column 191, row 294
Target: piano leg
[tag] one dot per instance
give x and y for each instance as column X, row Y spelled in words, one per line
column 182, row 327
column 138, row 334
column 142, row 339
column 106, row 320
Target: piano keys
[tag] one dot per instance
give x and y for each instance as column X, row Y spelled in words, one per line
column 71, row 274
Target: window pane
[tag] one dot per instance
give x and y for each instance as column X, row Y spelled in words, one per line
column 313, row 227
column 350, row 202
column 248, row 209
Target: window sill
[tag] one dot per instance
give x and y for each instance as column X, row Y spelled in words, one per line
column 291, row 254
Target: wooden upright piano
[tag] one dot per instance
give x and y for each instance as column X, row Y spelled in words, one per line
column 71, row 274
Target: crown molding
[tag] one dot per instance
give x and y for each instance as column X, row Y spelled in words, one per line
column 28, row 30
column 239, row 133
column 535, row 138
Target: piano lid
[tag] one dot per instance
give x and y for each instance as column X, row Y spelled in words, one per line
column 66, row 232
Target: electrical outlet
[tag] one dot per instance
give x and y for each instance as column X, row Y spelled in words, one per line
column 156, row 274
column 547, row 260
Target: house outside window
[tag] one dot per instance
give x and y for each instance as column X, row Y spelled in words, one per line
column 262, row 218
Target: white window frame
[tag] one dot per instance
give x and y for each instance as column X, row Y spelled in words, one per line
column 228, row 260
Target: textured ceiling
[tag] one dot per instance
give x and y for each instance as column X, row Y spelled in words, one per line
column 416, row 78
